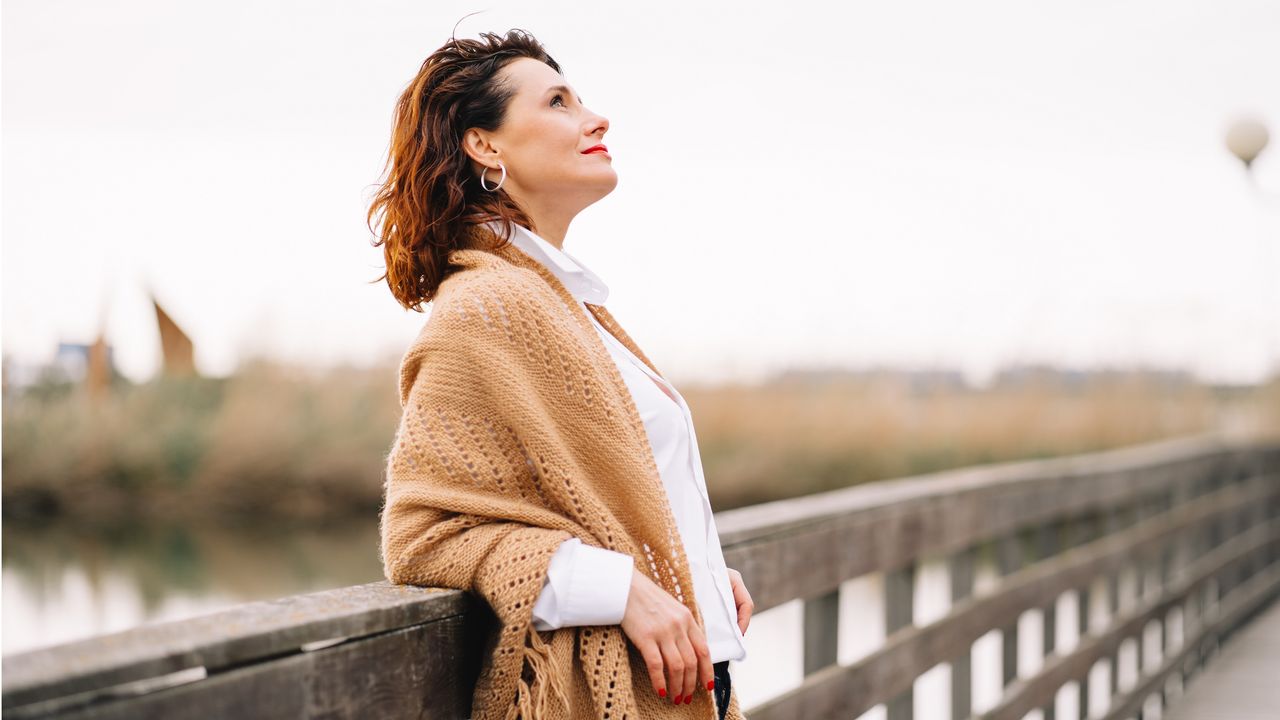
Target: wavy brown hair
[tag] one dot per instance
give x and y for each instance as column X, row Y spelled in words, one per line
column 431, row 193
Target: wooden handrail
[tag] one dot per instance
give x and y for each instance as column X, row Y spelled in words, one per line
column 1204, row 512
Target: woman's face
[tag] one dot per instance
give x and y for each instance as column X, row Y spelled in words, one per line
column 542, row 142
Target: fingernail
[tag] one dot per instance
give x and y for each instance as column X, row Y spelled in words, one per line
column 677, row 700
column 711, row 684
column 662, row 692
column 688, row 699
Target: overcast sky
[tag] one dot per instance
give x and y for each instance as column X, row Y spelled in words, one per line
column 930, row 184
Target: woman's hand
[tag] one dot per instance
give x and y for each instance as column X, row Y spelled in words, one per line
column 742, row 599
column 668, row 637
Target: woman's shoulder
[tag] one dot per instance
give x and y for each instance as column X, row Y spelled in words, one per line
column 479, row 313
column 489, row 271
column 485, row 276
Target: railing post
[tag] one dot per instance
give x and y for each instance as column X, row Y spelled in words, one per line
column 1081, row 530
column 821, row 630
column 1192, row 614
column 1229, row 578
column 1113, row 523
column 961, row 572
column 1169, row 502
column 1143, row 509
column 1047, row 543
column 1008, row 561
column 1213, row 590
column 1182, row 555
column 899, row 610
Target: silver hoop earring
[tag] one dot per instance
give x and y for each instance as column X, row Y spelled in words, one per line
column 495, row 187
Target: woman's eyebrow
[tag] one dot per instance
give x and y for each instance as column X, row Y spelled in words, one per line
column 564, row 89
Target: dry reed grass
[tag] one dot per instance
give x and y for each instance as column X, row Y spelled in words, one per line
column 275, row 441
column 788, row 438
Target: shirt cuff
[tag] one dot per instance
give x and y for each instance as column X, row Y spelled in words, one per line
column 584, row 585
column 599, row 587
column 548, row 607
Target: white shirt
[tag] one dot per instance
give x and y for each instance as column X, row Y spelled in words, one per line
column 588, row 585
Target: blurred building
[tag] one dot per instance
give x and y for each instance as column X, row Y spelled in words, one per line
column 92, row 365
column 1027, row 375
column 75, row 362
column 914, row 381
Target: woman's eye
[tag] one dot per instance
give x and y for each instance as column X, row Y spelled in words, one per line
column 557, row 99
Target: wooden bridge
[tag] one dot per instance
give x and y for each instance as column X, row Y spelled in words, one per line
column 1196, row 522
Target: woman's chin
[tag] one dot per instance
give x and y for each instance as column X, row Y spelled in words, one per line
column 596, row 193
column 603, row 184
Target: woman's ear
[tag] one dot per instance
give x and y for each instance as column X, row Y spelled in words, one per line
column 476, row 144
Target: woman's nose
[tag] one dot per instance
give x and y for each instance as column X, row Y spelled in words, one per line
column 599, row 124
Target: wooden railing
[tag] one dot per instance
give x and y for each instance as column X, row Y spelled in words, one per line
column 1197, row 520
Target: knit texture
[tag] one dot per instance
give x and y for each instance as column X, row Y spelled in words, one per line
column 517, row 433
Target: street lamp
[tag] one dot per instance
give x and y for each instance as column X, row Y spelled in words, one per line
column 1246, row 139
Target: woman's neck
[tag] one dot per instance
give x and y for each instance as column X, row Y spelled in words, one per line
column 551, row 224
column 551, row 232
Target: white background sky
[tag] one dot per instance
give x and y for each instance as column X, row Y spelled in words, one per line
column 930, row 184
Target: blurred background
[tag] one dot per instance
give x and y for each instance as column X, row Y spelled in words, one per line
column 865, row 240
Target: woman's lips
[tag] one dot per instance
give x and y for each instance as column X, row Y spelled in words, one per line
column 595, row 149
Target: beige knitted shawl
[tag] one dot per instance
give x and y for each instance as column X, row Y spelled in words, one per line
column 517, row 433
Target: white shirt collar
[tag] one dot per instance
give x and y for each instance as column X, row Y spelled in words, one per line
column 578, row 279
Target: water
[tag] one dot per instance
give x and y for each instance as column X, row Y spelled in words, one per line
column 60, row 584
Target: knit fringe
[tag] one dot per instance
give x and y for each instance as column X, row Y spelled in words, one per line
column 532, row 698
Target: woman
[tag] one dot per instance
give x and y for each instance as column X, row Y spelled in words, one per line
column 541, row 461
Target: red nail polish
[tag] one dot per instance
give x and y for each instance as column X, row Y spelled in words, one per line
column 662, row 692
column 688, row 699
column 711, row 684
column 676, row 700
